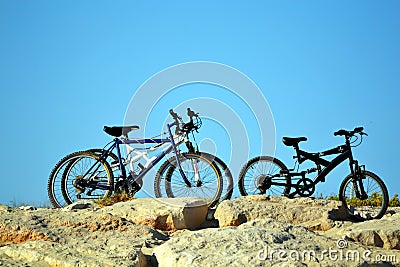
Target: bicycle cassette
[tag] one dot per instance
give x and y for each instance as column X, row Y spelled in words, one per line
column 305, row 187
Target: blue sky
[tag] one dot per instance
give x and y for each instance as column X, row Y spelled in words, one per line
column 69, row 67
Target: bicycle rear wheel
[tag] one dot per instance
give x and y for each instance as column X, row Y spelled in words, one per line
column 373, row 204
column 257, row 174
column 226, row 175
column 54, row 184
column 84, row 170
column 203, row 175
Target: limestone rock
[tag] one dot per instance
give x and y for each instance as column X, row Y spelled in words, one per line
column 383, row 233
column 164, row 214
column 50, row 237
column 261, row 243
column 80, row 204
column 315, row 214
column 119, row 235
column 5, row 208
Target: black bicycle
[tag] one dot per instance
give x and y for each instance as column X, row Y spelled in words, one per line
column 362, row 192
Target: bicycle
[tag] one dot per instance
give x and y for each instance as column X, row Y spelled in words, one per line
column 363, row 193
column 88, row 175
column 54, row 182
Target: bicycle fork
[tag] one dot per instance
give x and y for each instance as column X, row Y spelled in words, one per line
column 196, row 173
column 357, row 181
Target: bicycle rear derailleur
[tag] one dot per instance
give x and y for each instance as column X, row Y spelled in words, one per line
column 263, row 183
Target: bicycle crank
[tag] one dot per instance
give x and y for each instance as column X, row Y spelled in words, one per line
column 305, row 187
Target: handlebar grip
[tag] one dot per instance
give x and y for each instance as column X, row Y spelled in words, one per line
column 340, row 132
column 174, row 115
column 191, row 113
column 358, row 129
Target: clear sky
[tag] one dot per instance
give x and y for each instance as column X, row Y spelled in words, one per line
column 69, row 67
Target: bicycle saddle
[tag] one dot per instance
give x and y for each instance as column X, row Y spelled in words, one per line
column 117, row 131
column 292, row 141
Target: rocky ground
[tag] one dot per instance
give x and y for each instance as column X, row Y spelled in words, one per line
column 247, row 231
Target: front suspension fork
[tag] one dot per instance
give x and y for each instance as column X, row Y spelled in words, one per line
column 358, row 181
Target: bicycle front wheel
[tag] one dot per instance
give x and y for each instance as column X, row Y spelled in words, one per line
column 204, row 177
column 87, row 178
column 258, row 177
column 366, row 197
column 226, row 176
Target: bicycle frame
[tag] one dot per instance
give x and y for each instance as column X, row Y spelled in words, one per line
column 150, row 162
column 344, row 154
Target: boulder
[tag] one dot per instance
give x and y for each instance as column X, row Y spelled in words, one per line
column 262, row 242
column 383, row 233
column 315, row 214
column 50, row 237
column 164, row 214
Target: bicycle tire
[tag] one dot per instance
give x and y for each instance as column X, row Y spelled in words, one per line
column 227, row 189
column 361, row 210
column 69, row 190
column 159, row 180
column 54, row 182
column 251, row 173
column 226, row 175
column 205, row 174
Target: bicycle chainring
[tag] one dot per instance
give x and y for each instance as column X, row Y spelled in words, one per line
column 123, row 187
column 305, row 187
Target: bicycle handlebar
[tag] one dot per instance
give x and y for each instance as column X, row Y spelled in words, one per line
column 189, row 126
column 357, row 130
column 174, row 115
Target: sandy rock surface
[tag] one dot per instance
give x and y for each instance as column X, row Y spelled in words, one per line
column 316, row 214
column 265, row 242
column 250, row 231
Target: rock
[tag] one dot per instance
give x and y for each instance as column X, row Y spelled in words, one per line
column 52, row 237
column 146, row 256
column 264, row 242
column 164, row 214
column 27, row 208
column 79, row 205
column 315, row 214
column 5, row 208
column 383, row 233
column 138, row 233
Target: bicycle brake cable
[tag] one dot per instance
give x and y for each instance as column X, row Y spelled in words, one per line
column 108, row 144
column 352, row 142
column 194, row 139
